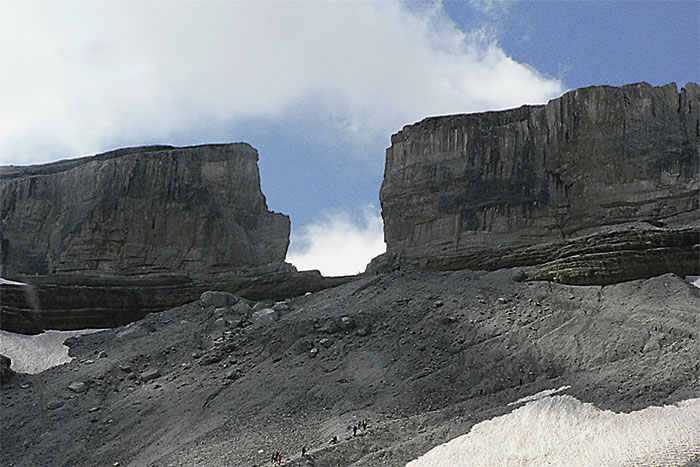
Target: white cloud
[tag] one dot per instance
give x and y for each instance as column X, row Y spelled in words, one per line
column 493, row 8
column 80, row 77
column 339, row 243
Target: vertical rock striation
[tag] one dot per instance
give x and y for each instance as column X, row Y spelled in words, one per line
column 467, row 190
column 196, row 211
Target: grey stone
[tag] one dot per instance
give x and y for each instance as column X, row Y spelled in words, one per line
column 6, row 373
column 217, row 299
column 362, row 332
column 262, row 305
column 150, row 375
column 331, row 327
column 281, row 307
column 53, row 405
column 326, row 342
column 210, row 359
column 264, row 317
column 242, row 308
column 221, row 323
column 347, row 322
column 78, row 387
column 313, row 352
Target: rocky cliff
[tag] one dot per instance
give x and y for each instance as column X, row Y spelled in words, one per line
column 193, row 210
column 602, row 167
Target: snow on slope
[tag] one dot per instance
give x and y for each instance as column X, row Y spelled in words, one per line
column 33, row 354
column 561, row 430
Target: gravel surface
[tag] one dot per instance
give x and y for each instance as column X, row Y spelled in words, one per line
column 422, row 356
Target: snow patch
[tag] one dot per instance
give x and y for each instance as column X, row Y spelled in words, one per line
column 34, row 354
column 9, row 282
column 561, row 430
column 539, row 395
column 695, row 280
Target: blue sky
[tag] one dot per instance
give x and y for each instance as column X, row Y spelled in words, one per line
column 316, row 87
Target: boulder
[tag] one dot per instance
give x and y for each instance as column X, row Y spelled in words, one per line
column 217, row 299
column 150, row 375
column 242, row 308
column 78, row 387
column 6, row 373
column 347, row 322
column 264, row 317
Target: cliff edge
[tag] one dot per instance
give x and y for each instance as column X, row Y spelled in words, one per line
column 193, row 210
column 599, row 176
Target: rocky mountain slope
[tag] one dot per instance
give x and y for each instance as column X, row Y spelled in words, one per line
column 423, row 356
column 613, row 170
column 529, row 249
column 104, row 240
column 194, row 211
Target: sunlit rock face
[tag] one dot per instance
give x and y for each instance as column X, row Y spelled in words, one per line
column 159, row 209
column 475, row 190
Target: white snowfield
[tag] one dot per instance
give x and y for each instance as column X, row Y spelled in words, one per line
column 563, row 431
column 9, row 282
column 34, row 354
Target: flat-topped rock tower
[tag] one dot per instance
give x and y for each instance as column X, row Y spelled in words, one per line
column 192, row 211
column 526, row 186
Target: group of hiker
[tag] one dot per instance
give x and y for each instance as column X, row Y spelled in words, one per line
column 276, row 458
column 361, row 425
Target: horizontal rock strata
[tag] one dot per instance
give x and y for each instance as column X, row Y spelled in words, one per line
column 78, row 302
column 525, row 186
column 149, row 210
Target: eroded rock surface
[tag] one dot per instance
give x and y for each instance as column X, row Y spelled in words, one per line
column 598, row 166
column 68, row 302
column 440, row 352
column 193, row 210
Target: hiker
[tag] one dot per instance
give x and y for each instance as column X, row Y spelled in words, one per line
column 303, row 451
column 279, row 458
column 364, row 424
column 354, row 431
column 334, row 440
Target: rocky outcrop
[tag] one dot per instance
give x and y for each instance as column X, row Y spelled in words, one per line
column 570, row 186
column 102, row 241
column 148, row 210
column 69, row 302
column 6, row 373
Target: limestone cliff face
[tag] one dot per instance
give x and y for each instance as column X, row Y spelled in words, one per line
column 459, row 187
column 193, row 210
